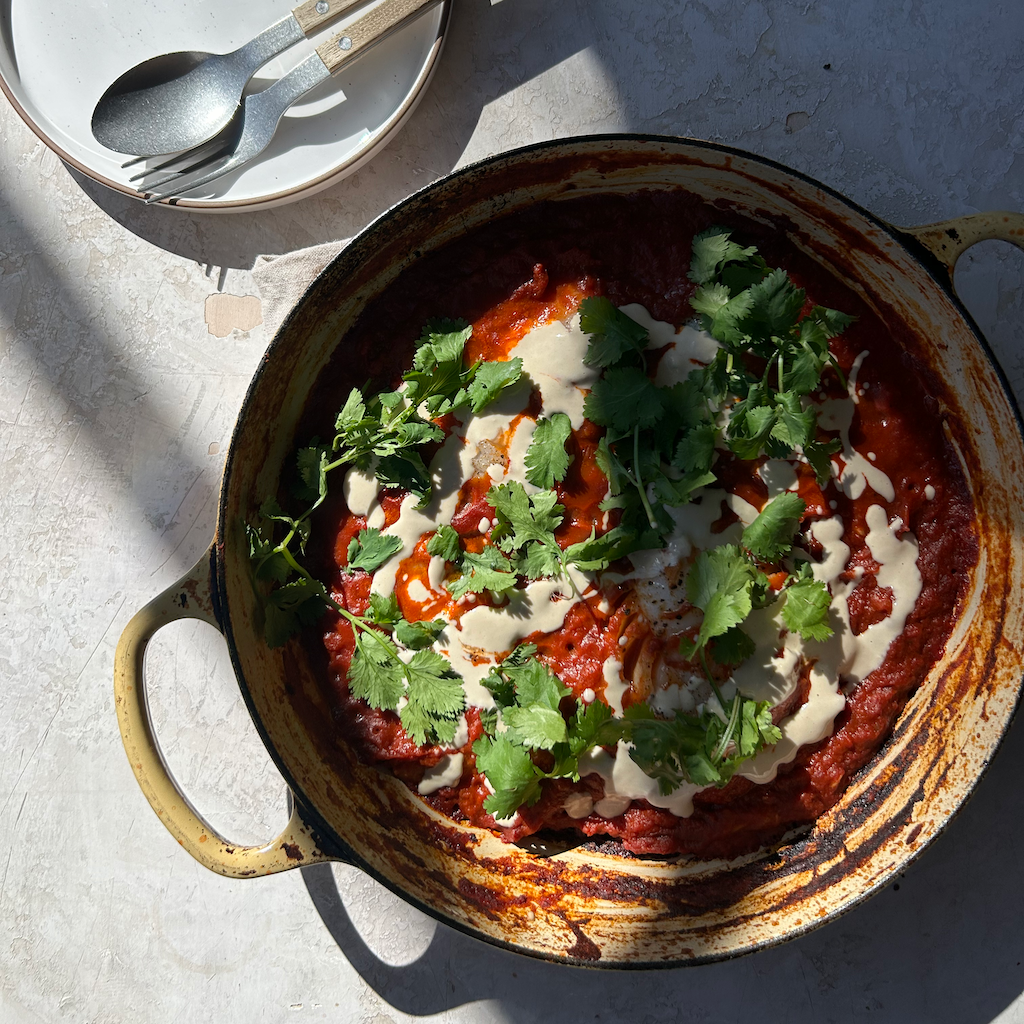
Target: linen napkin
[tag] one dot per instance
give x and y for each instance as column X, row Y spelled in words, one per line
column 281, row 280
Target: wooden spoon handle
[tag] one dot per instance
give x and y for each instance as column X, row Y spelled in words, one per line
column 314, row 14
column 369, row 29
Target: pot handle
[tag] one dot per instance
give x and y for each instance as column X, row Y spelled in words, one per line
column 192, row 597
column 948, row 240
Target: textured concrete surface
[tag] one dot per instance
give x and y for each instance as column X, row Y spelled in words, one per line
column 116, row 406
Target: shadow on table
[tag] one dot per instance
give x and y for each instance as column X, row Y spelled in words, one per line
column 942, row 944
column 489, row 51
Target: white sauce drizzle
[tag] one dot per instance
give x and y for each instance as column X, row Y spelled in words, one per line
column 859, row 472
column 778, row 476
column 553, row 362
column 446, row 772
column 615, row 686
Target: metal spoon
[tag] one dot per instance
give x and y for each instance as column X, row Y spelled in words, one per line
column 180, row 100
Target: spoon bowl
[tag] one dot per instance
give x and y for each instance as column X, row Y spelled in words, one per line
column 170, row 103
column 180, row 100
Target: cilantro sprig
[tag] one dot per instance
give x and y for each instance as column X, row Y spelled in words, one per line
column 728, row 582
column 529, row 699
column 660, row 442
column 382, row 433
column 379, row 674
column 541, row 724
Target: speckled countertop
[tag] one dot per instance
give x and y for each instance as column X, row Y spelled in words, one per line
column 117, row 398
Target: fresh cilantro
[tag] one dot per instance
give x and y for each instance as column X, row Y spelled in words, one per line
column 375, row 673
column 435, row 699
column 624, row 398
column 770, row 535
column 701, row 749
column 381, row 434
column 732, row 647
column 445, row 544
column 383, row 610
column 291, row 607
column 806, row 609
column 511, row 772
column 418, row 635
column 489, row 570
column 526, row 529
column 613, row 335
column 712, row 250
column 530, row 698
column 370, row 549
column 751, row 309
column 546, row 459
column 696, row 450
column 720, row 583
column 490, row 379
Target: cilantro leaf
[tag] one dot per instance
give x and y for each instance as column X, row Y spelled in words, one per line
column 669, row 750
column 383, row 610
column 417, row 635
column 597, row 553
column 818, row 455
column 536, row 685
column 722, row 314
column 312, row 466
column 523, row 517
column 536, row 727
column 441, row 344
column 489, row 379
column 756, row 731
column 370, row 549
column 696, row 450
column 831, row 321
column 613, row 335
column 712, row 250
column 488, row 570
column 375, row 673
column 770, row 535
column 806, row 609
column 624, row 398
column 510, row 771
column 719, row 583
column 546, row 459
column 775, row 304
column 435, row 699
column 732, row 647
column 445, row 543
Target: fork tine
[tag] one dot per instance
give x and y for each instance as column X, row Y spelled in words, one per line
column 228, row 163
column 210, row 149
column 198, row 165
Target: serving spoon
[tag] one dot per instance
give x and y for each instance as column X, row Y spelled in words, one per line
column 180, row 100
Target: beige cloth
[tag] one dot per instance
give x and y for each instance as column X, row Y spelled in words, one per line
column 281, row 280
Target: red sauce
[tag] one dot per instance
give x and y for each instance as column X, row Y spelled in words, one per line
column 533, row 267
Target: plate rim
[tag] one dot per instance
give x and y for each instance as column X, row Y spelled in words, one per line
column 271, row 199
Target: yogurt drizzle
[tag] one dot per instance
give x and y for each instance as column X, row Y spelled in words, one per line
column 552, row 357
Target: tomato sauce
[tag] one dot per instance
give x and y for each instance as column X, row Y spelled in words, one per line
column 533, row 267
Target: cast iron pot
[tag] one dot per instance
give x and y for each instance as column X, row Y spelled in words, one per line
column 587, row 905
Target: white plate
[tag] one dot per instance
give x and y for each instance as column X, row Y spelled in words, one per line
column 57, row 57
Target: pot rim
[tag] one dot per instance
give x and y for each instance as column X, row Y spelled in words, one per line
column 330, row 841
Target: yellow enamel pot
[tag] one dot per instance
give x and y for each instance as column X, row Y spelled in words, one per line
column 590, row 905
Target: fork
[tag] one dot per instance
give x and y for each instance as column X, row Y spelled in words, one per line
column 256, row 121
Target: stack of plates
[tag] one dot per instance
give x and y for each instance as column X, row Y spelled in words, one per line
column 57, row 59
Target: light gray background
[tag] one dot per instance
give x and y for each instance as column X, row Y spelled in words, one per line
column 116, row 405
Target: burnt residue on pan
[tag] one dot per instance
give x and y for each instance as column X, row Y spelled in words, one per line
column 569, row 905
